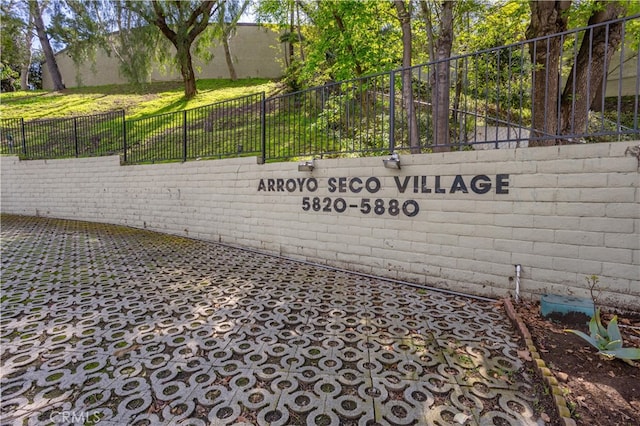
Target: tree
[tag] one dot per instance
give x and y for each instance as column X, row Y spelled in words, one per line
column 16, row 36
column 230, row 13
column 25, row 66
column 287, row 17
column 440, row 46
column 407, row 85
column 547, row 18
column 35, row 70
column 136, row 32
column 590, row 67
column 555, row 111
column 50, row 58
column 181, row 23
column 349, row 39
column 86, row 26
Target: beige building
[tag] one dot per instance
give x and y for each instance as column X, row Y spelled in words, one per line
column 255, row 49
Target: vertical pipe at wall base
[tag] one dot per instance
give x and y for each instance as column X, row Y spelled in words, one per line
column 518, row 269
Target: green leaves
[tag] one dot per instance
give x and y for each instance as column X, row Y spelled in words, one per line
column 608, row 341
column 623, row 353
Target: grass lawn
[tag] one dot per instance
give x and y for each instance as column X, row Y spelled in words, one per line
column 141, row 101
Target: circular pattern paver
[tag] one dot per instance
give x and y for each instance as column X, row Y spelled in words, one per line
column 113, row 325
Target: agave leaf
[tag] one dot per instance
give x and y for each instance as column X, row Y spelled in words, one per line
column 601, row 341
column 613, row 345
column 601, row 330
column 593, row 326
column 624, row 353
column 614, row 331
column 592, row 341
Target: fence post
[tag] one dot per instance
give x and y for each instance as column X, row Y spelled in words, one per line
column 392, row 111
column 184, row 135
column 75, row 134
column 24, row 137
column 124, row 137
column 263, row 130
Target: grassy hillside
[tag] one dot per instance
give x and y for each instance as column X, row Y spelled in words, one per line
column 151, row 99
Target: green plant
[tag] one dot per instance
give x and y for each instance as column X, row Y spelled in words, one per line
column 608, row 341
column 592, row 283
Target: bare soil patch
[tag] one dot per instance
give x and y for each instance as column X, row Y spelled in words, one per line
column 599, row 391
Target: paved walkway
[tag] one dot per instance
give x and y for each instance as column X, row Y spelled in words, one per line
column 117, row 326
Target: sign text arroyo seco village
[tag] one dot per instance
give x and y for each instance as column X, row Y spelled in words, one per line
column 477, row 184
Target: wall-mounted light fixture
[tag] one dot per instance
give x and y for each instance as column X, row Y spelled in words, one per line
column 393, row 162
column 306, row 166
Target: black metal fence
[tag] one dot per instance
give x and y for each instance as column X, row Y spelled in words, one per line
column 502, row 97
column 85, row 136
column 224, row 129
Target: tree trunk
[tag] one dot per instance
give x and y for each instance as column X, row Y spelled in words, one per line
column 52, row 64
column 442, row 80
column 189, row 30
column 428, row 21
column 291, row 47
column 407, row 86
column 26, row 60
column 589, row 69
column 186, row 70
column 299, row 30
column 228, row 58
column 547, row 18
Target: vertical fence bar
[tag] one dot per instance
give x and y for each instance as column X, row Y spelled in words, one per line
column 184, row 135
column 558, row 93
column 392, row 111
column 24, row 137
column 620, row 76
column 263, row 127
column 124, row 137
column 75, row 135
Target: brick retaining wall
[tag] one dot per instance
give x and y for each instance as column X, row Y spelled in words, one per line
column 563, row 213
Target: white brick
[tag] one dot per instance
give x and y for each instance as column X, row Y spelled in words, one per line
column 626, row 241
column 607, row 225
column 624, row 179
column 584, row 151
column 539, row 180
column 605, row 254
column 556, row 250
column 630, row 272
column 622, row 210
column 513, row 246
column 514, row 221
column 532, row 260
column 551, row 222
column 535, row 235
column 580, row 238
column 561, row 166
column 584, row 267
column 608, row 195
column 581, row 209
column 610, row 164
column 583, row 180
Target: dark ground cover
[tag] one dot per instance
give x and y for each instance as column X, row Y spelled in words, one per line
column 599, row 391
